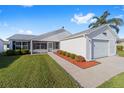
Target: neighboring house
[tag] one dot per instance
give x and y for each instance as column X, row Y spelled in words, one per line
column 1, row 45
column 6, row 45
column 121, row 42
column 47, row 42
column 92, row 43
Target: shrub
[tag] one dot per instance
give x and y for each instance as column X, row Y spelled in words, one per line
column 10, row 52
column 68, row 54
column 64, row 53
column 120, row 48
column 18, row 52
column 25, row 51
column 3, row 54
column 59, row 51
column 73, row 56
column 80, row 59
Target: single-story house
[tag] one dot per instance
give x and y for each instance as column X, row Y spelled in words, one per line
column 47, row 42
column 92, row 43
column 1, row 45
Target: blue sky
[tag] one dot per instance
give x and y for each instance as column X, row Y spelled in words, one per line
column 40, row 19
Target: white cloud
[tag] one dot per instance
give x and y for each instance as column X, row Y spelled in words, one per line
column 29, row 32
column 93, row 20
column 119, row 16
column 82, row 19
column 21, row 31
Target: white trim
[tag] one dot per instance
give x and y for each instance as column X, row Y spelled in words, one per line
column 31, row 47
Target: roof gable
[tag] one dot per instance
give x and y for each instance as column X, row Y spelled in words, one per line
column 53, row 36
column 92, row 31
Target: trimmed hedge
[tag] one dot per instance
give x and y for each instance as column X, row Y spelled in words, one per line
column 80, row 59
column 15, row 52
column 73, row 56
column 25, row 51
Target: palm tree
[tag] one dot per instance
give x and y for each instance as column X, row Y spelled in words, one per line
column 113, row 22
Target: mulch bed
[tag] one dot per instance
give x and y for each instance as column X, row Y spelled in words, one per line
column 83, row 65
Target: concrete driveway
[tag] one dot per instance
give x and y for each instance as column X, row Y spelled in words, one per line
column 94, row 76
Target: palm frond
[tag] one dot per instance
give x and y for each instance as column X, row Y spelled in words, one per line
column 116, row 21
column 115, row 27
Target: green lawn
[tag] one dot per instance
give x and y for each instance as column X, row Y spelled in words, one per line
column 120, row 53
column 115, row 82
column 33, row 71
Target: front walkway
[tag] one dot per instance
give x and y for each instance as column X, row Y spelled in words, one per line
column 94, row 76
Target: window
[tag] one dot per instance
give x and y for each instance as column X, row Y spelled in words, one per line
column 7, row 45
column 23, row 45
column 56, row 45
column 36, row 46
column 43, row 45
column 40, row 45
column 17, row 45
column 105, row 33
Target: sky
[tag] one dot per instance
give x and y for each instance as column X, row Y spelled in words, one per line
column 36, row 20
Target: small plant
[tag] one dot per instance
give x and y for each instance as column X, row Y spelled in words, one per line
column 120, row 48
column 80, row 59
column 73, row 56
column 60, row 52
column 24, row 51
column 18, row 52
column 68, row 54
column 64, row 53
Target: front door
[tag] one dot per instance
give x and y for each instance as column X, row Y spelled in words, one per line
column 50, row 46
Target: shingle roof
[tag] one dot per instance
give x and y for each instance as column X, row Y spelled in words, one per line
column 21, row 37
column 83, row 33
column 56, row 35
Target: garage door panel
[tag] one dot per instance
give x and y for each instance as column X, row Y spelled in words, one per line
column 100, row 48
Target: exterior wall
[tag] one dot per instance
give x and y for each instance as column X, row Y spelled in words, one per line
column 76, row 46
column 39, row 51
column 1, row 46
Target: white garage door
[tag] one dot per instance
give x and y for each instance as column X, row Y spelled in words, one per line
column 100, row 48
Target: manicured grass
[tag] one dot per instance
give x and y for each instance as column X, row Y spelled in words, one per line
column 33, row 71
column 120, row 53
column 115, row 82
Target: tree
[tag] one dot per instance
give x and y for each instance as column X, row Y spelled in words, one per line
column 113, row 22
